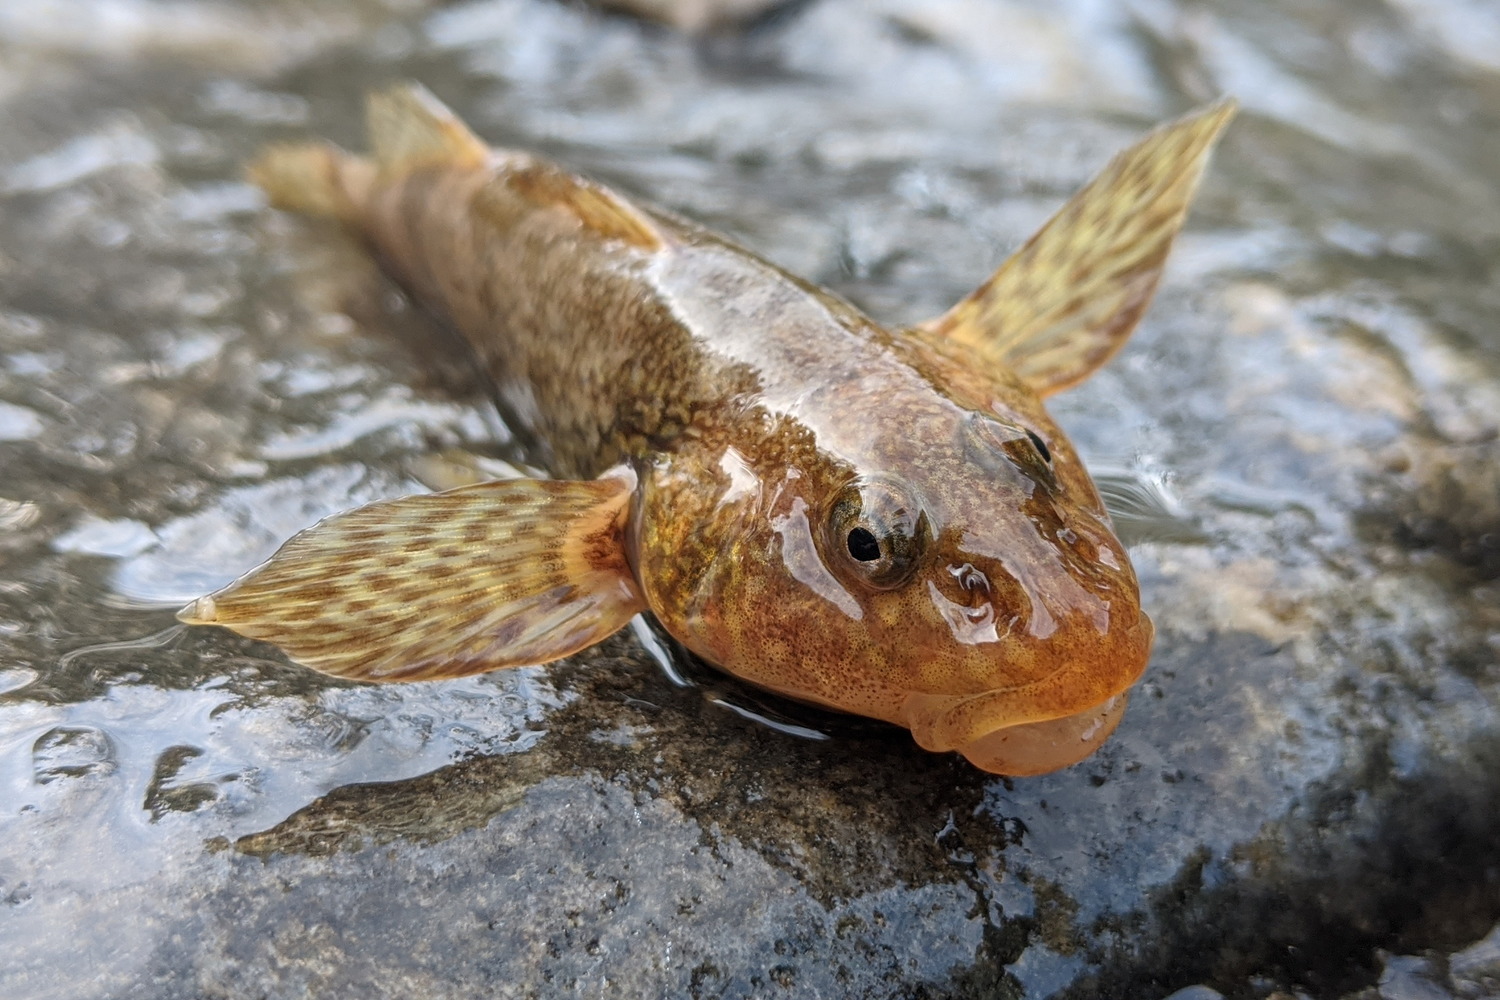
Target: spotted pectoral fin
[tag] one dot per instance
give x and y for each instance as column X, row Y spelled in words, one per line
column 445, row 584
column 1068, row 299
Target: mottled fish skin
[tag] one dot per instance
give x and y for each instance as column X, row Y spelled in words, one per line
column 883, row 522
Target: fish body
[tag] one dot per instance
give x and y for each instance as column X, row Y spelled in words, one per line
column 885, row 522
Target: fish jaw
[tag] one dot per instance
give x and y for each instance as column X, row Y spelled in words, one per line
column 1034, row 728
column 1034, row 748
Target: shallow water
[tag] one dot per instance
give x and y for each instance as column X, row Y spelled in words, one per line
column 1302, row 443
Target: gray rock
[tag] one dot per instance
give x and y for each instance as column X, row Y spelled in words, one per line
column 695, row 15
column 1407, row 977
column 71, row 752
column 1475, row 970
column 1198, row 992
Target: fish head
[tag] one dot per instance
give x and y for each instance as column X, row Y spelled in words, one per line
column 962, row 579
column 909, row 536
column 1018, row 609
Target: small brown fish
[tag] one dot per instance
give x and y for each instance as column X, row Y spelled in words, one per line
column 880, row 521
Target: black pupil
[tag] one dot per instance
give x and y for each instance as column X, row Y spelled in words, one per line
column 863, row 546
column 1041, row 446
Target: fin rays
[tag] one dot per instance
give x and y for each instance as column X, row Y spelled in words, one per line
column 442, row 585
column 1068, row 299
column 410, row 129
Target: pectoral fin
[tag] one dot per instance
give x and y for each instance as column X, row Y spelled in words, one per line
column 1068, row 299
column 442, row 585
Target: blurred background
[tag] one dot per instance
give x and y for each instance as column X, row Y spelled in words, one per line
column 1300, row 446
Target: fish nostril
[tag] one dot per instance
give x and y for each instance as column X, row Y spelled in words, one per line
column 972, row 580
column 972, row 621
column 976, row 587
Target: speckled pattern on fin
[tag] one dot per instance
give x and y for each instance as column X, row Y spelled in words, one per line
column 411, row 129
column 1068, row 299
column 445, row 584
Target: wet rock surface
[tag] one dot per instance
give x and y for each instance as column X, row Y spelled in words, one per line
column 1302, row 444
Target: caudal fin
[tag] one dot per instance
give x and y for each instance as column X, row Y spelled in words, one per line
column 409, row 129
column 313, row 179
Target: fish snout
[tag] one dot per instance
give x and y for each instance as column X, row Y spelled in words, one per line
column 1052, row 713
column 1040, row 747
column 1096, row 687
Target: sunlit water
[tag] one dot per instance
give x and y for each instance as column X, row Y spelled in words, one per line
column 1300, row 446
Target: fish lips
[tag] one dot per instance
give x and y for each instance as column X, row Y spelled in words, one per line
column 1043, row 725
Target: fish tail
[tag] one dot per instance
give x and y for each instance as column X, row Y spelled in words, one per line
column 409, row 130
column 314, row 179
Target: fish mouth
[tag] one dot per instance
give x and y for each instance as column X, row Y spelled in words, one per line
column 1033, row 748
column 1042, row 726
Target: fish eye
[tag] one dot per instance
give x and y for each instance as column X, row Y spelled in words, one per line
column 1041, row 446
column 863, row 545
column 876, row 533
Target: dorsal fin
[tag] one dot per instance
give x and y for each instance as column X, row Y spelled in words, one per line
column 411, row 129
column 594, row 205
column 1068, row 299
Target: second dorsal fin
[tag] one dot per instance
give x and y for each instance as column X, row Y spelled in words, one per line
column 411, row 129
column 595, row 205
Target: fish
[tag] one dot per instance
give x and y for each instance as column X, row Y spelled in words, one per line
column 882, row 521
